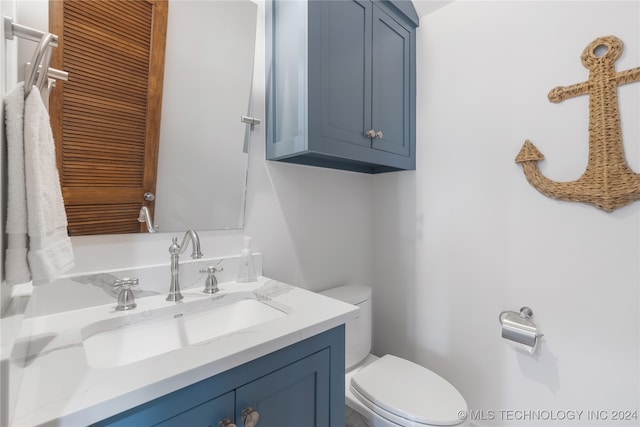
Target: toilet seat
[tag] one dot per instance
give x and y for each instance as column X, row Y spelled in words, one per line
column 407, row 394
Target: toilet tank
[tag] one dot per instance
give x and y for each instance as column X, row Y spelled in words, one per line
column 358, row 330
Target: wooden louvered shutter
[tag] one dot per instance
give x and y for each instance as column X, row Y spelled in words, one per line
column 106, row 118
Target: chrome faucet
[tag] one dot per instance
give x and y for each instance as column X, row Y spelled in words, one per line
column 175, row 250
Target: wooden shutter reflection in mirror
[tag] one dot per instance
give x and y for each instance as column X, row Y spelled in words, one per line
column 106, row 117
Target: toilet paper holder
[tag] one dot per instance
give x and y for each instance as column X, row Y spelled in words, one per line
column 519, row 327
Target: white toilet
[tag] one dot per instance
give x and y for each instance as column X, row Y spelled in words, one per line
column 390, row 391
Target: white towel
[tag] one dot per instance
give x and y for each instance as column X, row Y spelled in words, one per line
column 34, row 207
column 50, row 253
column 16, row 266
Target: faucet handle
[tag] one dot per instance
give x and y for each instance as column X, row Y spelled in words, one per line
column 126, row 300
column 126, row 283
column 211, row 284
column 174, row 249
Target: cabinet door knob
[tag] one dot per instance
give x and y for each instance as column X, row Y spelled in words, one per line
column 226, row 422
column 379, row 135
column 370, row 133
column 250, row 417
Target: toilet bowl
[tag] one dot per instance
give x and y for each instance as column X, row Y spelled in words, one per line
column 389, row 391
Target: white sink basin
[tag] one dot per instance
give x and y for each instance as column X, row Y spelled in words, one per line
column 137, row 336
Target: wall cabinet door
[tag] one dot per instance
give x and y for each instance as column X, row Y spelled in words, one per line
column 391, row 85
column 344, row 74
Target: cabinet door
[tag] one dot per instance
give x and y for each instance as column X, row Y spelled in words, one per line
column 177, row 410
column 209, row 414
column 296, row 395
column 391, row 84
column 344, row 71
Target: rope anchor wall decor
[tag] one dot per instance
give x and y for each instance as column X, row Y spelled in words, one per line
column 608, row 182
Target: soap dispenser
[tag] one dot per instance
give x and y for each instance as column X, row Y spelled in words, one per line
column 246, row 269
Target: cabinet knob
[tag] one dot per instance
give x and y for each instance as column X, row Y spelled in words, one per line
column 250, row 417
column 373, row 134
column 226, row 422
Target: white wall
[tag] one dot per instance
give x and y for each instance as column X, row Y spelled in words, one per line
column 466, row 237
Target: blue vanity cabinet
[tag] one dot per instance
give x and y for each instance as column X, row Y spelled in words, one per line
column 341, row 84
column 300, row 385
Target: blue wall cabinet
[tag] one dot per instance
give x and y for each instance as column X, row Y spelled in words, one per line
column 300, row 385
column 341, row 84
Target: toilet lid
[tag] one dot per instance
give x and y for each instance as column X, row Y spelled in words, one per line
column 409, row 391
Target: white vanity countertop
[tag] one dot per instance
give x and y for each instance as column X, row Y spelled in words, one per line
column 59, row 387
